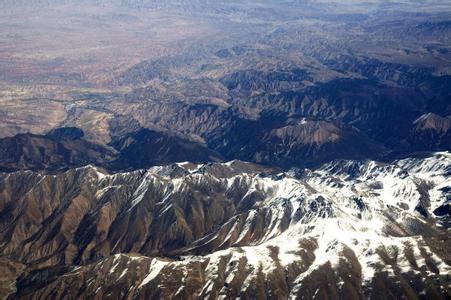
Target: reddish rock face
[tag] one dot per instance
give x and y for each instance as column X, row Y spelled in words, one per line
column 349, row 229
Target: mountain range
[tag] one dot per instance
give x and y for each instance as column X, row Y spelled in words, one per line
column 200, row 149
column 350, row 229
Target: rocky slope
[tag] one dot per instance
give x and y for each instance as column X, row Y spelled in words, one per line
column 350, row 229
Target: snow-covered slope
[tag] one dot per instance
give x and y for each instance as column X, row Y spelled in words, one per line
column 348, row 229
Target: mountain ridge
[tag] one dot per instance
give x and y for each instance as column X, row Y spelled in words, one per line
column 337, row 213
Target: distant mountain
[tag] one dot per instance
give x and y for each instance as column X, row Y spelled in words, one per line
column 65, row 148
column 239, row 87
column 66, row 133
column 431, row 131
column 146, row 148
column 274, row 139
column 59, row 150
column 297, row 142
column 428, row 132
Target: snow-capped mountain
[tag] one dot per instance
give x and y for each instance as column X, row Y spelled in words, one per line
column 349, row 229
